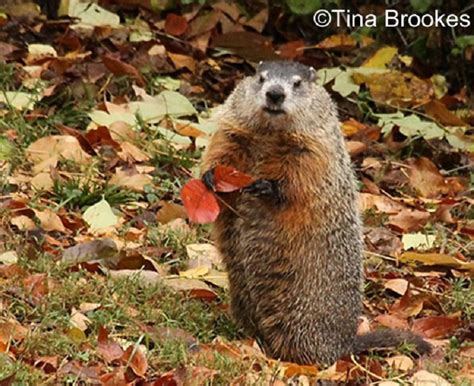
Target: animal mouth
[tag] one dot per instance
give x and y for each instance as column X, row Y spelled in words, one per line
column 274, row 110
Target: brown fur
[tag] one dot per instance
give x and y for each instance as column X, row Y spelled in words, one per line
column 295, row 268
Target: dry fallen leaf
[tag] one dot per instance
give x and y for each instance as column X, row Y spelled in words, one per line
column 436, row 326
column 50, row 221
column 107, row 348
column 425, row 378
column 54, row 146
column 436, row 259
column 425, row 177
column 399, row 286
column 135, row 358
column 400, row 362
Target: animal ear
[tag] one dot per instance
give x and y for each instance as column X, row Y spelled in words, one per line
column 312, row 74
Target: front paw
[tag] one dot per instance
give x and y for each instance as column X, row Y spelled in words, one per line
column 260, row 188
column 269, row 189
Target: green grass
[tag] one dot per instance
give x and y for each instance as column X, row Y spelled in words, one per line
column 76, row 193
column 126, row 306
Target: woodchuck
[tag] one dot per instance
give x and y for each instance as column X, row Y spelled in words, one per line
column 292, row 240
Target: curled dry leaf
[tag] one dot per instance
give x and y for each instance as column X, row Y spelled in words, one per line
column 228, row 179
column 135, row 358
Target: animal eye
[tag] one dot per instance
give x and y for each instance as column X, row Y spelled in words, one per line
column 297, row 83
column 261, row 79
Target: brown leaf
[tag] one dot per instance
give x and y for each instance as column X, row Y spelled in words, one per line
column 12, row 330
column 119, row 68
column 383, row 241
column 291, row 50
column 293, row 369
column 86, row 146
column 90, row 250
column 130, row 179
column 50, row 221
column 249, row 45
column 136, row 359
column 354, row 148
column 380, row 203
column 392, row 321
column 175, row 25
column 183, row 61
column 170, row 211
column 439, row 111
column 107, row 348
column 132, row 153
column 409, row 220
column 436, row 327
column 101, row 137
column 425, row 177
column 36, row 285
column 398, row 286
column 48, row 364
column 408, row 305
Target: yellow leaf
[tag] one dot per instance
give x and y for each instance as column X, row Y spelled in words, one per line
column 40, row 51
column 381, row 58
column 100, row 216
column 76, row 335
column 436, row 259
column 18, row 99
column 194, row 272
column 9, row 257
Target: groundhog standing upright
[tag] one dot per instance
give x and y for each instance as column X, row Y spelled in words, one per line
column 292, row 240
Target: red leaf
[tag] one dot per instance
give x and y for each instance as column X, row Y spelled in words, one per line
column 200, row 204
column 436, row 327
column 107, row 348
column 175, row 25
column 203, row 294
column 228, row 179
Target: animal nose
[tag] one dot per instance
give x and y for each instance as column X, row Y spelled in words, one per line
column 276, row 95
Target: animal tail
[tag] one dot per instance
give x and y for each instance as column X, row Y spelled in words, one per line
column 385, row 338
